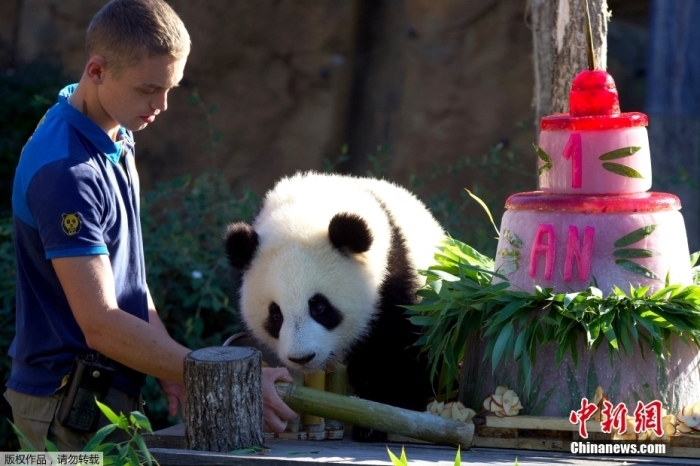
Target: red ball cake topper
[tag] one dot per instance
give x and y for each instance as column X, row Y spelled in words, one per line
column 593, row 105
column 593, row 92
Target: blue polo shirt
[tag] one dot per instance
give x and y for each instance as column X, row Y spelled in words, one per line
column 71, row 197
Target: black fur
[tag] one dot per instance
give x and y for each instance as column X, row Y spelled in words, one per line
column 349, row 233
column 240, row 242
column 273, row 323
column 385, row 366
column 323, row 312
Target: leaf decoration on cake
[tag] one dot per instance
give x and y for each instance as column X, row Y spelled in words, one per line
column 622, row 170
column 543, row 157
column 513, row 239
column 508, row 267
column 620, row 153
column 637, row 235
column 634, row 253
column 636, row 269
column 511, row 256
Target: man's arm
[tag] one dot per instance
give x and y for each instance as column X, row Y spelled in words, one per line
column 174, row 392
column 89, row 286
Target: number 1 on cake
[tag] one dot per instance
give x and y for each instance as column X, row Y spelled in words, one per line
column 573, row 151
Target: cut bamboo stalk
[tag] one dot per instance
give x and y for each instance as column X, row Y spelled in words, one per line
column 364, row 413
column 336, row 381
column 293, row 430
column 312, row 424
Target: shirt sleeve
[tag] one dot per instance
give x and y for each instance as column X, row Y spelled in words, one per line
column 66, row 199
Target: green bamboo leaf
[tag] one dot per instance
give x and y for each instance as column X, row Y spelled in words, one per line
column 144, row 449
column 18, row 433
column 635, row 236
column 622, row 170
column 542, row 154
column 574, row 349
column 396, row 461
column 634, row 253
column 694, row 258
column 109, row 414
column 636, row 269
column 507, row 312
column 519, row 345
column 104, row 448
column 620, row 153
column 133, row 457
column 458, row 457
column 140, row 420
column 625, row 339
column 483, row 204
column 99, row 437
column 501, row 343
column 544, row 168
column 50, row 446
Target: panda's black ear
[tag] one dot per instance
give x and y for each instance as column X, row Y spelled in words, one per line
column 240, row 242
column 349, row 233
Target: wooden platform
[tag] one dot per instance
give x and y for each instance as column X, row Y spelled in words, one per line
column 167, row 446
column 557, row 434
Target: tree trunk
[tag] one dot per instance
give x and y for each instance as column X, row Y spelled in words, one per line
column 224, row 399
column 560, row 50
column 673, row 105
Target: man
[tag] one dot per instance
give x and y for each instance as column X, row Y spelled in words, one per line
column 81, row 279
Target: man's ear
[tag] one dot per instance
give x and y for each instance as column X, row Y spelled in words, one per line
column 95, row 69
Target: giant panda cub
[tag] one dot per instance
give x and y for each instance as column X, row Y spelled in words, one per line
column 325, row 266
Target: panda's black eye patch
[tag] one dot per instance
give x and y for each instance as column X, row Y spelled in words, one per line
column 273, row 323
column 323, row 312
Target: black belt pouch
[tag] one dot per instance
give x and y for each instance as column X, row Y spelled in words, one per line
column 89, row 379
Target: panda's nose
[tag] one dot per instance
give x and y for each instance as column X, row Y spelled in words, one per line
column 303, row 359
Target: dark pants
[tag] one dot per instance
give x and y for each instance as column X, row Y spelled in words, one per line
column 35, row 417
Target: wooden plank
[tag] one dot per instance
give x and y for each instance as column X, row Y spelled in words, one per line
column 540, row 423
column 529, row 446
column 300, row 453
column 523, row 443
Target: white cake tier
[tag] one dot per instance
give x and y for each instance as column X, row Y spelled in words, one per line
column 611, row 161
column 568, row 242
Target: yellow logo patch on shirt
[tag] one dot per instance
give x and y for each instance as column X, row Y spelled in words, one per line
column 71, row 223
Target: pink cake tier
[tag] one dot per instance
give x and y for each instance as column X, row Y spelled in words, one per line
column 594, row 149
column 568, row 242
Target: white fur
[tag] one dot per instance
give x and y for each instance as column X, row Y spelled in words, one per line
column 296, row 260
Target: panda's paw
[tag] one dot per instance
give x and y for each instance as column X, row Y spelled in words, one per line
column 363, row 434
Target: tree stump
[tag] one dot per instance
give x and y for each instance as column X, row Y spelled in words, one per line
column 224, row 399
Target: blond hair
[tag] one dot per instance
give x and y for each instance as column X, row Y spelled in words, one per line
column 125, row 31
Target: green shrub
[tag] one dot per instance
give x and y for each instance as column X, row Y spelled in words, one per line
column 8, row 442
column 131, row 452
column 26, row 95
column 188, row 274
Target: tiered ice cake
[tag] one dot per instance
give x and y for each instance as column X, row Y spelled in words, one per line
column 593, row 222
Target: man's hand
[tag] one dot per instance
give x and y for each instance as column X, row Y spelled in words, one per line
column 276, row 413
column 176, row 395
